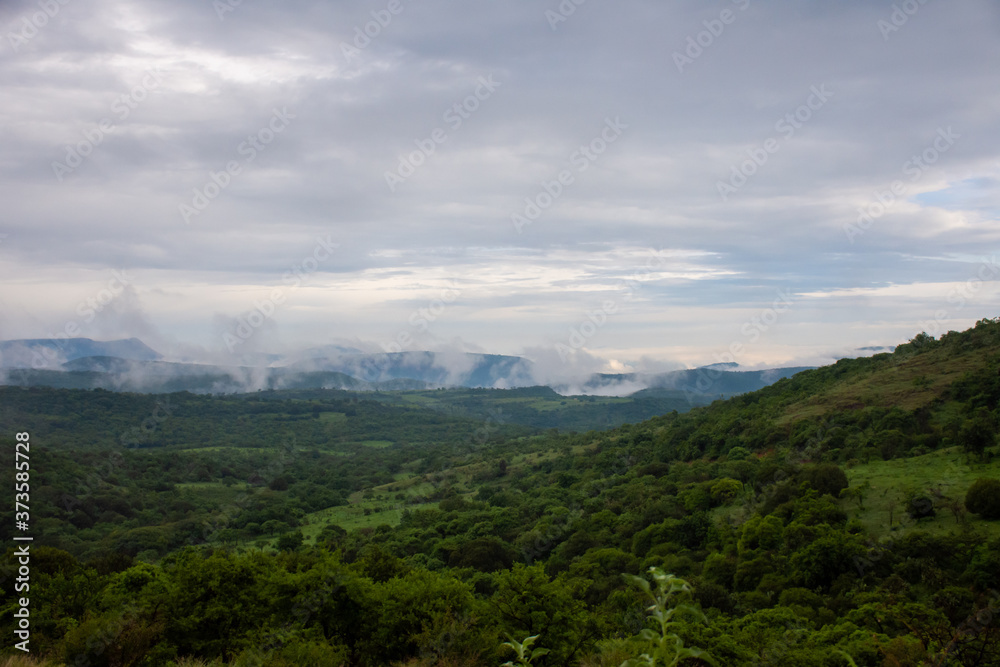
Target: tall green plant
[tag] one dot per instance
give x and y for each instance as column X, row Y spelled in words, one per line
column 521, row 648
column 665, row 647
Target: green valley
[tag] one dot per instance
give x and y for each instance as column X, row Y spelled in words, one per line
column 821, row 520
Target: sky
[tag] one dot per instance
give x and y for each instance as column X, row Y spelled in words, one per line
column 639, row 185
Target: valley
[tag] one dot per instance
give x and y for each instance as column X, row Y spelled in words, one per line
column 821, row 516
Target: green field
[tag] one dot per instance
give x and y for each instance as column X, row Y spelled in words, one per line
column 944, row 475
column 332, row 417
column 351, row 517
column 378, row 444
column 227, row 448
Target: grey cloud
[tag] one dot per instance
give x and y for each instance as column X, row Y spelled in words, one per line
column 654, row 187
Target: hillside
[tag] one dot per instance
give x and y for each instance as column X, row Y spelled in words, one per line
column 819, row 519
column 709, row 381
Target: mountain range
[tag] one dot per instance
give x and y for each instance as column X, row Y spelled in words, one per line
column 131, row 365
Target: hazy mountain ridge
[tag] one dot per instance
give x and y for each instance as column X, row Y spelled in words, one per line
column 47, row 352
column 457, row 369
column 710, row 380
column 157, row 377
column 130, row 365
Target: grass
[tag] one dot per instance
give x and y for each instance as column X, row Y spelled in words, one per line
column 473, row 402
column 943, row 474
column 228, row 448
column 27, row 661
column 380, row 505
column 332, row 417
column 419, row 399
column 377, row 444
column 352, row 516
column 550, row 405
column 909, row 384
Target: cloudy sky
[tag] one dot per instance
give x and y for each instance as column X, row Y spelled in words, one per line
column 646, row 183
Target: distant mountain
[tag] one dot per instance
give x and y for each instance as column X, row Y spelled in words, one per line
column 130, row 365
column 708, row 380
column 155, row 377
column 327, row 351
column 722, row 366
column 51, row 352
column 459, row 369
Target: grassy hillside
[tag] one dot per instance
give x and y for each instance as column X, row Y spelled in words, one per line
column 912, row 401
column 919, row 375
column 880, row 490
column 297, row 530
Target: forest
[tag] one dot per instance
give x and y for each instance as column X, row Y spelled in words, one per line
column 848, row 515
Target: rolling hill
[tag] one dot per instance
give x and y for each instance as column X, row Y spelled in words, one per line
column 821, row 520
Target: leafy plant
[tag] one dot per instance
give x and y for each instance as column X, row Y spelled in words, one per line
column 521, row 648
column 665, row 646
column 847, row 657
column 983, row 498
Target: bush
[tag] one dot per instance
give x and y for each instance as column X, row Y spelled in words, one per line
column 290, row 541
column 983, row 498
column 827, row 478
column 738, row 454
column 305, row 653
column 486, row 554
column 978, row 434
column 724, row 490
column 919, row 507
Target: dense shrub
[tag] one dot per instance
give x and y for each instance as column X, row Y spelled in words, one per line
column 826, row 478
column 983, row 498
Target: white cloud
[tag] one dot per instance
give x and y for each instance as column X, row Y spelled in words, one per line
column 653, row 188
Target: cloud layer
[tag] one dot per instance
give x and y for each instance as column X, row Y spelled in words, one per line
column 658, row 181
